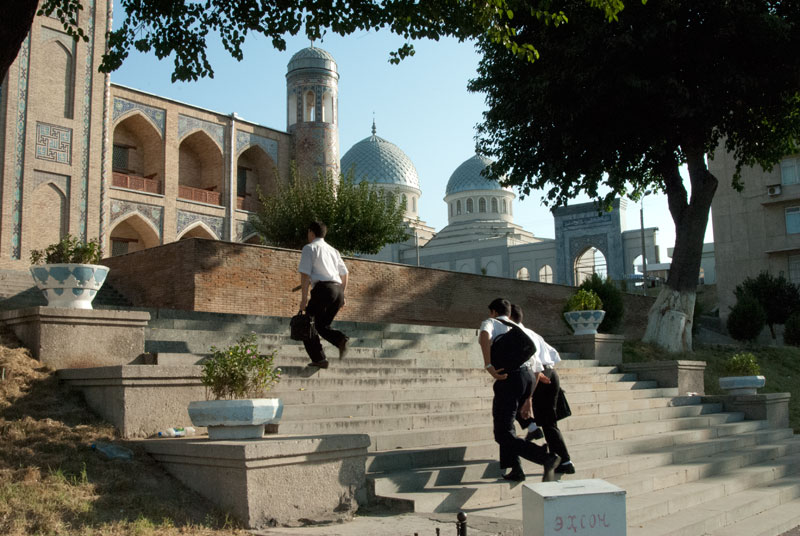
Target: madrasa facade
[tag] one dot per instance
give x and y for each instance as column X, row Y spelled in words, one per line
column 84, row 156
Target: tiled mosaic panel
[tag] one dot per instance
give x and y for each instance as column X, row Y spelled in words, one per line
column 53, row 143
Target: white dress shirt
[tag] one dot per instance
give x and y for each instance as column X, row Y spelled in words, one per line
column 546, row 354
column 495, row 328
column 321, row 262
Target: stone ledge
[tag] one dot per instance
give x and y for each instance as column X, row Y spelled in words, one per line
column 602, row 347
column 77, row 338
column 687, row 376
column 272, row 481
column 771, row 407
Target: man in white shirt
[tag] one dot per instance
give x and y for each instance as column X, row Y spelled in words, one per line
column 323, row 271
column 512, row 388
column 543, row 398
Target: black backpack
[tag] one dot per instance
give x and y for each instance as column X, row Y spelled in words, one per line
column 511, row 349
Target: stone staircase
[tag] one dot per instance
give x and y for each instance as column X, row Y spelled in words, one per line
column 17, row 291
column 420, row 392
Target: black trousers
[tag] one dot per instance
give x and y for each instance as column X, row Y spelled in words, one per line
column 509, row 395
column 326, row 300
column 544, row 411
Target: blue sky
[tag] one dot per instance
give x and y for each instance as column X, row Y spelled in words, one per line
column 421, row 105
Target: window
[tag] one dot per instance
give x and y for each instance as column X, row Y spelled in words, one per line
column 790, row 170
column 794, row 269
column 470, row 206
column 241, row 181
column 503, row 207
column 119, row 158
column 414, row 203
column 494, row 205
column 481, row 205
column 523, row 274
column 793, row 220
column 452, row 210
column 458, row 207
column 546, row 274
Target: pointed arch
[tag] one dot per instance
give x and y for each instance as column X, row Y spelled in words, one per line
column 133, row 232
column 58, row 76
column 482, row 204
column 255, row 170
column 523, row 274
column 200, row 169
column 49, row 204
column 589, row 261
column 198, row 229
column 309, row 106
column 546, row 274
column 137, row 159
column 494, row 205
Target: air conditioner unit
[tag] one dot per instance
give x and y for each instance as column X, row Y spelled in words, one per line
column 774, row 190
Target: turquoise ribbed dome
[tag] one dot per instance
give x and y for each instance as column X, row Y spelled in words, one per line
column 379, row 161
column 468, row 177
column 312, row 58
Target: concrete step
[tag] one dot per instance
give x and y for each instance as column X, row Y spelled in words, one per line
column 720, row 504
column 451, row 486
column 771, row 521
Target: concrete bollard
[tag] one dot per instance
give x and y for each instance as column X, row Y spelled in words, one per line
column 575, row 507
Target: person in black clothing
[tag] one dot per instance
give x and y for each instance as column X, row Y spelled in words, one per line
column 544, row 406
column 512, row 388
column 323, row 271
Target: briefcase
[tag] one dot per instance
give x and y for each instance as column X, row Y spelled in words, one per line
column 562, row 407
column 302, row 327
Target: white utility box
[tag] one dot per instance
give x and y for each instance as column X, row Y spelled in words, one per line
column 575, row 507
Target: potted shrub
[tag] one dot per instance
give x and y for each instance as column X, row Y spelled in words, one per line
column 742, row 375
column 67, row 272
column 584, row 312
column 237, row 378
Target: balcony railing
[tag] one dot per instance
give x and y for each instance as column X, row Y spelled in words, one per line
column 247, row 202
column 198, row 194
column 135, row 182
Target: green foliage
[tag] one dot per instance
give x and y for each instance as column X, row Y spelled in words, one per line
column 622, row 106
column 584, row 300
column 791, row 334
column 742, row 364
column 69, row 250
column 747, row 319
column 180, row 29
column 361, row 218
column 239, row 371
column 778, row 296
column 612, row 302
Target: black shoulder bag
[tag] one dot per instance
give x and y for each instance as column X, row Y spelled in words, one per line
column 302, row 327
column 511, row 349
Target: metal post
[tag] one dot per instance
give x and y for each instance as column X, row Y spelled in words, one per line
column 644, row 250
column 461, row 524
column 416, row 240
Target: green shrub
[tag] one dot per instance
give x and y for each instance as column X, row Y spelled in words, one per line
column 747, row 319
column 69, row 250
column 778, row 296
column 612, row 302
column 792, row 333
column 239, row 371
column 741, row 364
column 584, row 300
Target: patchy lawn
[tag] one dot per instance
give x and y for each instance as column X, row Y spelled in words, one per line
column 53, row 483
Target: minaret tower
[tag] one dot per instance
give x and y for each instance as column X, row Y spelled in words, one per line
column 312, row 94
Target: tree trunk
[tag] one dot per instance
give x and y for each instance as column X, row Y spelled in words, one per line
column 17, row 17
column 670, row 320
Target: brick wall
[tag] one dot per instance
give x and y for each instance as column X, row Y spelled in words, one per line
column 209, row 275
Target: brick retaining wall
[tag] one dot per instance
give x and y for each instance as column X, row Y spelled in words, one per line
column 215, row 276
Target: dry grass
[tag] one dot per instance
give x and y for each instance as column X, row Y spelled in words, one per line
column 52, row 483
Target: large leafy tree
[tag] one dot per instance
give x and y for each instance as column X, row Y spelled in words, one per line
column 361, row 218
column 180, row 28
column 624, row 105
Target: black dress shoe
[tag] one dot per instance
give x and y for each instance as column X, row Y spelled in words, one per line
column 536, row 434
column 568, row 469
column 343, row 348
column 319, row 364
column 515, row 475
column 550, row 464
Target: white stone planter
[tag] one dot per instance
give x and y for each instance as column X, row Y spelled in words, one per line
column 741, row 385
column 585, row 322
column 236, row 419
column 72, row 286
